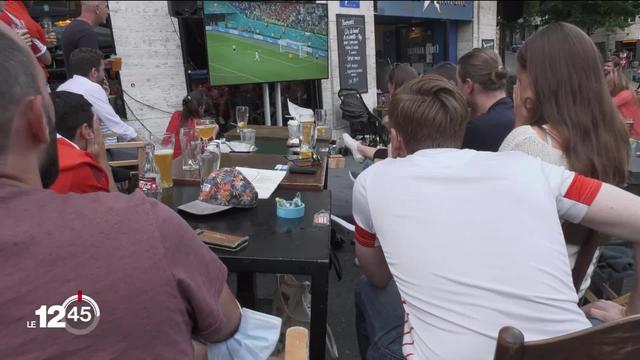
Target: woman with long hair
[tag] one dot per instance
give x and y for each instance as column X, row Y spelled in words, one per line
column 483, row 80
column 624, row 99
column 564, row 113
column 192, row 109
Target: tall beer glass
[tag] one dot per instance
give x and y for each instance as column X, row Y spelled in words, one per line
column 307, row 136
column 163, row 156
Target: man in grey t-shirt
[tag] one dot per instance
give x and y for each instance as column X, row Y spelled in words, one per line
column 129, row 259
column 81, row 33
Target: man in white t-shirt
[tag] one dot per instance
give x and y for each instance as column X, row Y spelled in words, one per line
column 471, row 239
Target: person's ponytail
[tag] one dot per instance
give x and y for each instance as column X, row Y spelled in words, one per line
column 483, row 67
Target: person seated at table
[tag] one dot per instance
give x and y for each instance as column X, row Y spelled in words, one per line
column 625, row 100
column 81, row 154
column 397, row 76
column 576, row 129
column 87, row 67
column 157, row 285
column 192, row 110
column 483, row 79
column 471, row 239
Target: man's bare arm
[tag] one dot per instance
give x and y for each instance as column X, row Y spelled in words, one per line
column 373, row 265
column 616, row 212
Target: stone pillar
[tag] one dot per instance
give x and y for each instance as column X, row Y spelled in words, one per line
column 152, row 70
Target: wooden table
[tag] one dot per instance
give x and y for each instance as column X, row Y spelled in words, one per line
column 270, row 133
column 302, row 182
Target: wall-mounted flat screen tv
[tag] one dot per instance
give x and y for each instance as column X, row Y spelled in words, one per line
column 266, row 41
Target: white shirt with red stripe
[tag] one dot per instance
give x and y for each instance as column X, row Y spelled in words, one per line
column 474, row 243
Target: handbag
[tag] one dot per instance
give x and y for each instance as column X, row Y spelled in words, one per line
column 292, row 303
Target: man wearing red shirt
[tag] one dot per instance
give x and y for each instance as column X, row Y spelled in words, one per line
column 82, row 158
column 16, row 15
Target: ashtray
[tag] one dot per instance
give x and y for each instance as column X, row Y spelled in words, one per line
column 290, row 212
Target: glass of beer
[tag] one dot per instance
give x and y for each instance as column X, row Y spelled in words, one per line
column 322, row 127
column 116, row 63
column 205, row 128
column 242, row 116
column 163, row 156
column 307, row 137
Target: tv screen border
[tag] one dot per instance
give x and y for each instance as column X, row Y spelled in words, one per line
column 204, row 27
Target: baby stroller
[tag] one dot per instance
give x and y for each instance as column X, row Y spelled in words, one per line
column 363, row 124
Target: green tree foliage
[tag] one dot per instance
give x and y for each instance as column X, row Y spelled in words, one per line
column 588, row 15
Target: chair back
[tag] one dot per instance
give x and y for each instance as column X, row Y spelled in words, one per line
column 589, row 241
column 616, row 340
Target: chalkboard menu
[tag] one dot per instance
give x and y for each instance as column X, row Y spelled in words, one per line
column 352, row 52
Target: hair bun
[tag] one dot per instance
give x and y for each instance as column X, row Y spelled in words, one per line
column 186, row 100
column 500, row 75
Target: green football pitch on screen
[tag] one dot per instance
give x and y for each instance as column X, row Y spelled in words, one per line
column 234, row 59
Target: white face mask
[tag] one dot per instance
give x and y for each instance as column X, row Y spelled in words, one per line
column 256, row 338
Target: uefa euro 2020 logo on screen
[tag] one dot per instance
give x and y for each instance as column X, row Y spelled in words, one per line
column 79, row 314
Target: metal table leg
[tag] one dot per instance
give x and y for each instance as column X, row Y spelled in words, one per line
column 318, row 326
column 246, row 293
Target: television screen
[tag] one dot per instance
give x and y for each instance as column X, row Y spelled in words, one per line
column 258, row 42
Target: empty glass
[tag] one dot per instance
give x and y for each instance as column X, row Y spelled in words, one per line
column 190, row 145
column 248, row 136
column 242, row 116
column 209, row 160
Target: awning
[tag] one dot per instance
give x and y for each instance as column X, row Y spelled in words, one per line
column 629, row 41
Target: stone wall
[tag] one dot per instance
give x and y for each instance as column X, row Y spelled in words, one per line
column 483, row 26
column 152, row 70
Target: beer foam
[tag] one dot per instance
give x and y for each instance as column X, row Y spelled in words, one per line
column 163, row 152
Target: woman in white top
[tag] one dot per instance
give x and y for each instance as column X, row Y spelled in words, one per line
column 564, row 114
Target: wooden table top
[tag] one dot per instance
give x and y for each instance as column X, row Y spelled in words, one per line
column 303, row 182
column 270, row 132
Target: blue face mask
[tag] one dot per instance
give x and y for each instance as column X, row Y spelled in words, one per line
column 256, row 338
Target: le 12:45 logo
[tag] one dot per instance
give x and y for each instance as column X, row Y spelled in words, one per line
column 79, row 315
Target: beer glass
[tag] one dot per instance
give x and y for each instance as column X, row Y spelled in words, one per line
column 163, row 156
column 190, row 144
column 116, row 63
column 307, row 136
column 242, row 116
column 205, row 128
column 322, row 127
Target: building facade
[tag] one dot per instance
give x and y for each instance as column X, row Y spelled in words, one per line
column 153, row 71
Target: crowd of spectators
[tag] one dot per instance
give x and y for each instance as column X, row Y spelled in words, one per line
column 311, row 19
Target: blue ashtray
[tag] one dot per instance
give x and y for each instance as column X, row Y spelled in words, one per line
column 290, row 213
